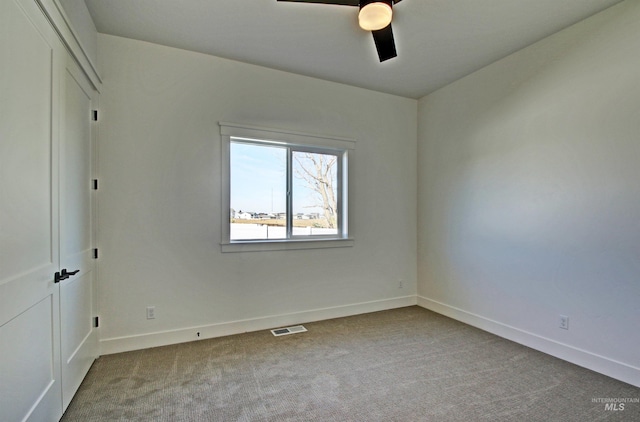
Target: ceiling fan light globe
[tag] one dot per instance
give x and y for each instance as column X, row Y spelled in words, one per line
column 375, row 16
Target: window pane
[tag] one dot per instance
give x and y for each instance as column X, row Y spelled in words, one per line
column 258, row 191
column 315, row 194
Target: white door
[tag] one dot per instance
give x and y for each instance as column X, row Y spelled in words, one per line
column 77, row 305
column 30, row 387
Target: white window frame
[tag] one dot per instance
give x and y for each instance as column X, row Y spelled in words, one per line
column 298, row 141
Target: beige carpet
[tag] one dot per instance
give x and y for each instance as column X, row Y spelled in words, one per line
column 407, row 364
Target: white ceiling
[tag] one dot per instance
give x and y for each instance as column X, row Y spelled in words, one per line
column 438, row 41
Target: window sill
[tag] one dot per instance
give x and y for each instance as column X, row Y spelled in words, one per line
column 285, row 245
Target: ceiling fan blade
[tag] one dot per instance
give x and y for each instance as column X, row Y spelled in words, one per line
column 338, row 2
column 384, row 43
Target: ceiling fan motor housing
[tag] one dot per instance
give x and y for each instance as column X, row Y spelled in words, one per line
column 363, row 3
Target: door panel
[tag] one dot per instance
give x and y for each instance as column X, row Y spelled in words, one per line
column 75, row 172
column 30, row 387
column 78, row 338
column 28, row 361
column 25, row 116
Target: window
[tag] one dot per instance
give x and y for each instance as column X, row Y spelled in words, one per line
column 283, row 190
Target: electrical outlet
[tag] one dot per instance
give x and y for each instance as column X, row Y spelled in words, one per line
column 151, row 312
column 564, row 322
column 400, row 284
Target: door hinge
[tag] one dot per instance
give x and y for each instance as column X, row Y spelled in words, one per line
column 95, row 253
column 94, row 184
column 94, row 115
column 96, row 322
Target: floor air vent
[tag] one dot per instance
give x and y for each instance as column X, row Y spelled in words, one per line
column 288, row 330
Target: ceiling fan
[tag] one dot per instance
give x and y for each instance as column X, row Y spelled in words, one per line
column 374, row 16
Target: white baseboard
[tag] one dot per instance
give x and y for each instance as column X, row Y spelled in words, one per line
column 584, row 358
column 164, row 338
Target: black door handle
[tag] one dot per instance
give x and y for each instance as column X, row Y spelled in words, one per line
column 58, row 277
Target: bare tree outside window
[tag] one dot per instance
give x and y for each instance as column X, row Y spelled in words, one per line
column 318, row 172
column 280, row 191
column 283, row 190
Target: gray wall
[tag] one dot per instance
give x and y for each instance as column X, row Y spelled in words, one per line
column 159, row 207
column 529, row 195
